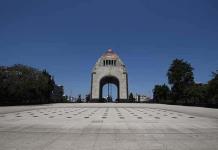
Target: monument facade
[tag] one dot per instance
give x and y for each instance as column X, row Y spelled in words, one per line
column 109, row 69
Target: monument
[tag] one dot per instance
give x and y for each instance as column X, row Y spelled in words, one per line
column 109, row 69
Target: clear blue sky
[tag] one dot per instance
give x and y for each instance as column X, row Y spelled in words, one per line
column 66, row 37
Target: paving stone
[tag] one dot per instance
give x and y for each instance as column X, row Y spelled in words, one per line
column 108, row 126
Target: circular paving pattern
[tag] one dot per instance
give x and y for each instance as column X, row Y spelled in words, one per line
column 106, row 128
column 110, row 114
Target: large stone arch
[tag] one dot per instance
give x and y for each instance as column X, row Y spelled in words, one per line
column 109, row 79
column 109, row 67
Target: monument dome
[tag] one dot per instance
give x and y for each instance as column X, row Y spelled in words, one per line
column 110, row 54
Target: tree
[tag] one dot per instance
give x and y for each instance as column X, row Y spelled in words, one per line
column 213, row 89
column 131, row 98
column 88, row 97
column 20, row 84
column 66, row 99
column 196, row 94
column 50, row 85
column 57, row 95
column 161, row 93
column 79, row 99
column 180, row 76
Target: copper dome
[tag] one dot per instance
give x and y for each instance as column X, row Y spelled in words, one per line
column 109, row 54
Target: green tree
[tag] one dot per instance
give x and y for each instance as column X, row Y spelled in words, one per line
column 213, row 89
column 20, row 84
column 161, row 93
column 79, row 99
column 196, row 94
column 131, row 98
column 66, row 99
column 88, row 97
column 180, row 76
column 49, row 86
column 57, row 95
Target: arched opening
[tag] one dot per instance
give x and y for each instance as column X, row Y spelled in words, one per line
column 109, row 92
column 107, row 86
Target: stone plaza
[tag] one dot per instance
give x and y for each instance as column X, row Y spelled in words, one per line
column 108, row 126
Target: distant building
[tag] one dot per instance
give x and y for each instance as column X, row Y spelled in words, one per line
column 142, row 98
column 71, row 99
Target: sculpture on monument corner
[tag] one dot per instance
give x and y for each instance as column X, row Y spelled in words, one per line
column 109, row 69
